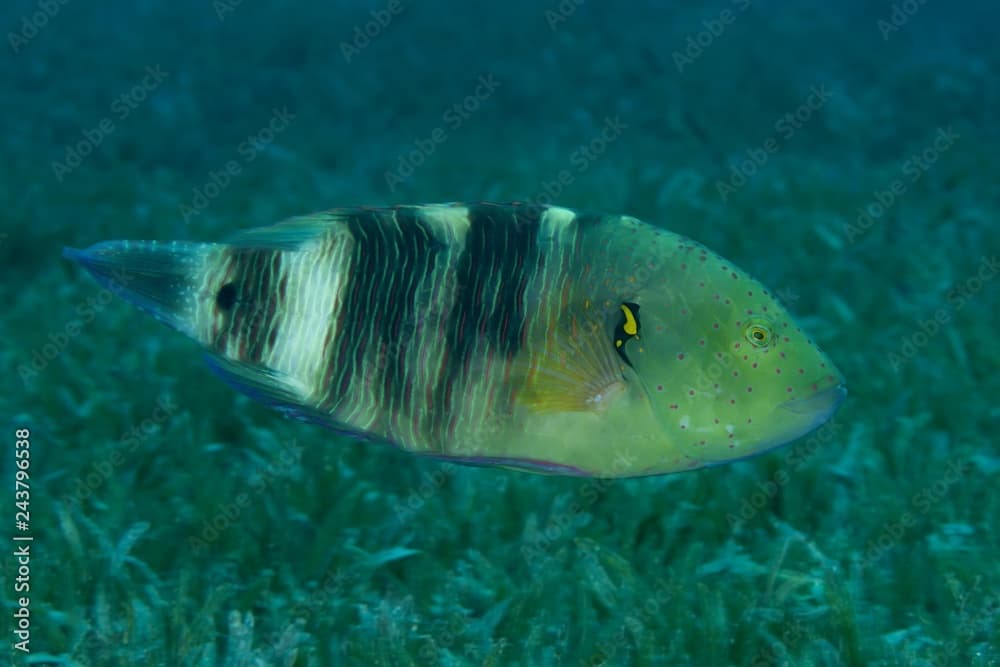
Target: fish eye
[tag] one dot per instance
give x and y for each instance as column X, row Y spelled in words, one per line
column 759, row 334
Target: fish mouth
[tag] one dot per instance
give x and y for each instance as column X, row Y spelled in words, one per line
column 822, row 404
column 802, row 416
column 792, row 420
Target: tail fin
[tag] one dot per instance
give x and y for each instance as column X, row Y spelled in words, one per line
column 157, row 278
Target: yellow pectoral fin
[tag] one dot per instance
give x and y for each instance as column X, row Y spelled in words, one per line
column 576, row 370
column 563, row 395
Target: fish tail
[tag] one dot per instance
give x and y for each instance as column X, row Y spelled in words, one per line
column 157, row 278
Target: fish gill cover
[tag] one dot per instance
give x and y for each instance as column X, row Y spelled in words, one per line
column 844, row 155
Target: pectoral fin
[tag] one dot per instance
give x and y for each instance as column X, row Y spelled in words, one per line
column 577, row 370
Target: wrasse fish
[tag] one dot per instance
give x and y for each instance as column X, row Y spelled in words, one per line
column 533, row 337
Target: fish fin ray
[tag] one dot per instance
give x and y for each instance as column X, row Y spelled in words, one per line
column 154, row 277
column 577, row 369
column 536, row 466
column 288, row 234
column 278, row 391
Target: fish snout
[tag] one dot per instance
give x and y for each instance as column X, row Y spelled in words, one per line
column 821, row 404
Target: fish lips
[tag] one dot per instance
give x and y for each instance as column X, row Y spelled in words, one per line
column 804, row 415
column 798, row 417
column 822, row 404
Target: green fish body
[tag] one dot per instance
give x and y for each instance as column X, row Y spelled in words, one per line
column 534, row 337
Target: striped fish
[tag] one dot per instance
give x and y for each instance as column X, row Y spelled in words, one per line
column 534, row 337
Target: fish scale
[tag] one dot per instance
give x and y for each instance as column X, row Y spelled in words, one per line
column 534, row 337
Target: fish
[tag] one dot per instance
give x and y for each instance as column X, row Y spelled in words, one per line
column 533, row 337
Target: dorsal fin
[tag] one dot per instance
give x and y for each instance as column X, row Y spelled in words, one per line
column 289, row 234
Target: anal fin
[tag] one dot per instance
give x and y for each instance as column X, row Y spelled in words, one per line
column 276, row 390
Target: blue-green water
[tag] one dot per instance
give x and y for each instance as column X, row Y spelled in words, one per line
column 843, row 153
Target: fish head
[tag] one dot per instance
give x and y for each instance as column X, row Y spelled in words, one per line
column 728, row 371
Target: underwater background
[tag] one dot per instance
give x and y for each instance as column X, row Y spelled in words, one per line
column 846, row 154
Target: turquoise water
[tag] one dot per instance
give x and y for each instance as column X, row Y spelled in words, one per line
column 844, row 154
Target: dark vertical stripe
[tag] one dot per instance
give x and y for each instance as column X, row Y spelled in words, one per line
column 417, row 251
column 585, row 220
column 356, row 310
column 502, row 242
column 393, row 250
column 265, row 275
column 253, row 297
